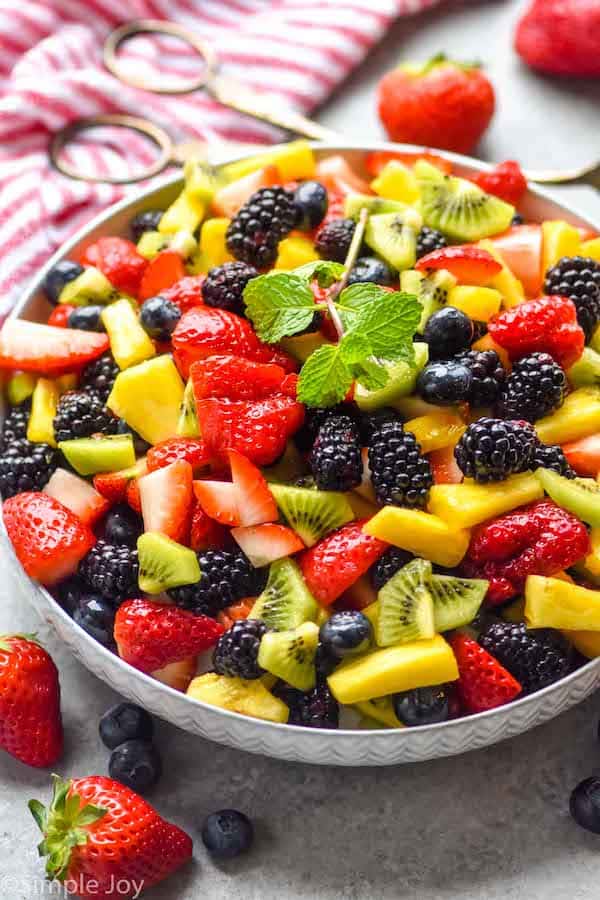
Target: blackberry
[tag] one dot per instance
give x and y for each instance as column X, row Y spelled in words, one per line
column 315, row 709
column 236, row 653
column 493, row 449
column 335, row 458
column 99, row 376
column 488, row 376
column 111, row 570
column 387, row 565
column 334, row 239
column 315, row 417
column 264, row 220
column 429, row 240
column 224, row 286
column 26, row 467
column 401, row 475
column 551, row 456
column 15, row 425
column 227, row 576
column 578, row 277
column 535, row 658
column 535, row 388
column 148, row 220
column 80, row 415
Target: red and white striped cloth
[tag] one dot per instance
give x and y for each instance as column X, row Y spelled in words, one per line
column 51, row 72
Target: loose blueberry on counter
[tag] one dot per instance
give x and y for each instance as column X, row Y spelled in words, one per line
column 422, row 706
column 345, row 633
column 448, row 331
column 444, row 383
column 227, row 833
column 125, row 722
column 145, row 221
column 311, row 199
column 96, row 615
column 122, row 526
column 140, row 446
column 136, row 764
column 585, row 804
column 64, row 271
column 371, row 269
column 87, row 318
column 159, row 316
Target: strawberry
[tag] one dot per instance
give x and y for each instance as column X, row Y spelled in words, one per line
column 468, row 264
column 193, row 450
column 377, row 160
column 162, row 272
column 444, row 467
column 103, row 840
column 219, row 500
column 59, row 317
column 438, row 104
column 47, row 349
column 186, row 293
column 48, row 539
column 483, row 683
column 561, row 37
column 263, row 544
column 119, row 260
column 506, row 181
column 548, row 325
column 178, row 675
column 166, row 500
column 259, row 430
column 584, row 455
column 338, row 560
column 30, row 721
column 132, row 495
column 230, row 198
column 77, row 495
column 205, row 533
column 358, row 596
column 337, row 175
column 150, row 635
column 255, row 500
column 521, row 249
column 113, row 485
column 235, row 378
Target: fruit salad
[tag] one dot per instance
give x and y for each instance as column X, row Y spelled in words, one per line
column 317, row 444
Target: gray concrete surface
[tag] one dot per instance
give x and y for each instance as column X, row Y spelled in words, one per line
column 491, row 824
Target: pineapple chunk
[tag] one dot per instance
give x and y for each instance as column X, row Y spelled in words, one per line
column 295, row 251
column 250, row 698
column 393, row 669
column 295, row 161
column 397, row 182
column 554, row 603
column 591, row 249
column 381, row 710
column 149, row 397
column 468, row 504
column 44, row 400
column 129, row 343
column 433, row 432
column 420, row 533
column 592, row 560
column 558, row 239
column 508, row 284
column 189, row 207
column 578, row 417
column 479, row 303
column 213, row 249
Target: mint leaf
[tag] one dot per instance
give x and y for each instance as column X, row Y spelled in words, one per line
column 325, row 378
column 353, row 348
column 357, row 295
column 389, row 323
column 371, row 374
column 279, row 305
column 325, row 271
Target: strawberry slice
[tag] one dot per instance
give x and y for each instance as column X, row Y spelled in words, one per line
column 483, row 683
column 521, row 249
column 132, row 495
column 219, row 500
column 506, row 180
column 162, row 272
column 166, row 500
column 584, row 455
column 206, row 533
column 468, row 264
column 255, row 500
column 186, row 293
column 151, row 635
column 546, row 325
column 48, row 539
column 358, row 596
column 230, row 198
column 444, row 467
column 193, row 450
column 338, row 176
column 77, row 495
column 47, row 349
column 59, row 317
column 263, row 544
column 236, row 378
column 113, row 485
column 338, row 560
column 119, row 260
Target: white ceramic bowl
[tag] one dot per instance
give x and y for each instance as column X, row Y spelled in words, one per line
column 343, row 747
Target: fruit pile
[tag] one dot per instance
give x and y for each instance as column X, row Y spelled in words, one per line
column 316, row 447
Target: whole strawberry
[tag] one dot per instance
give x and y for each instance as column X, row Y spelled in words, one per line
column 439, row 104
column 30, row 722
column 103, row 841
column 561, row 37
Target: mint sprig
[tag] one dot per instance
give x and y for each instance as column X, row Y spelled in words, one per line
column 280, row 305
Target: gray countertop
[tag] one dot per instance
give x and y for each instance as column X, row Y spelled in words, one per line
column 489, row 824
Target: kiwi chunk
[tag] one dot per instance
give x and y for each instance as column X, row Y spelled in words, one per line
column 89, row 287
column 187, row 425
column 151, row 243
column 586, row 370
column 406, row 606
column 402, row 379
column 108, row 453
column 375, row 206
column 286, row 601
column 456, row 601
column 312, row 514
column 459, row 208
column 290, row 655
column 430, row 290
column 165, row 564
column 581, row 496
column 394, row 237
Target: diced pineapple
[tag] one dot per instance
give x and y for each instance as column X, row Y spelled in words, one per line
column 420, row 533
column 295, row 251
column 129, row 343
column 250, row 698
column 558, row 239
column 295, row 161
column 578, row 417
column 553, row 603
column 44, row 400
column 381, row 710
column 508, row 284
column 592, row 560
column 212, row 242
column 397, row 182
column 189, row 207
column 479, row 303
column 591, row 249
column 467, row 504
column 433, row 432
column 149, row 397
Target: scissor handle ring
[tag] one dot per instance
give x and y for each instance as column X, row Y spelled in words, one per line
column 156, row 26
column 156, row 134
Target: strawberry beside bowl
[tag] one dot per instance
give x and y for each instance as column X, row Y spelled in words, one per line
column 347, row 745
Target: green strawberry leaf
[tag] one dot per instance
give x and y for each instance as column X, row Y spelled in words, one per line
column 279, row 305
column 325, row 378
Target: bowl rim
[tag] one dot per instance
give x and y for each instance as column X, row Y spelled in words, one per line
column 170, row 181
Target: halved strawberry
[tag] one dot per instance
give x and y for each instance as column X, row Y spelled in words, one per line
column 166, row 498
column 113, row 485
column 263, row 544
column 358, row 596
column 119, row 260
column 219, row 500
column 206, row 533
column 230, row 198
column 132, row 495
column 165, row 270
column 235, row 378
column 521, row 249
column 59, row 317
column 77, row 495
column 193, row 450
column 338, row 176
column 444, row 467
column 255, row 501
column 186, row 293
column 47, row 349
column 483, row 683
column 584, row 455
column 468, row 264
column 377, row 160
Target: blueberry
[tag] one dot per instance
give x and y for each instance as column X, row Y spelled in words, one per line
column 227, row 833
column 69, row 593
column 422, row 706
column 125, row 722
column 64, row 271
column 444, row 383
column 96, row 615
column 136, row 764
column 145, row 221
column 122, row 526
column 369, row 268
column 448, row 331
column 140, row 446
column 88, row 318
column 346, row 632
column 159, row 317
column 310, row 198
column 585, row 804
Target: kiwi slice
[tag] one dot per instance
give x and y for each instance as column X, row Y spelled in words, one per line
column 286, row 601
column 187, row 425
column 581, row 496
column 402, row 379
column 108, row 453
column 406, row 606
column 89, row 287
column 430, row 290
column 394, row 237
column 459, row 208
column 455, row 600
column 290, row 655
column 312, row 514
column 165, row 564
column 289, row 467
column 374, row 205
column 586, row 370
